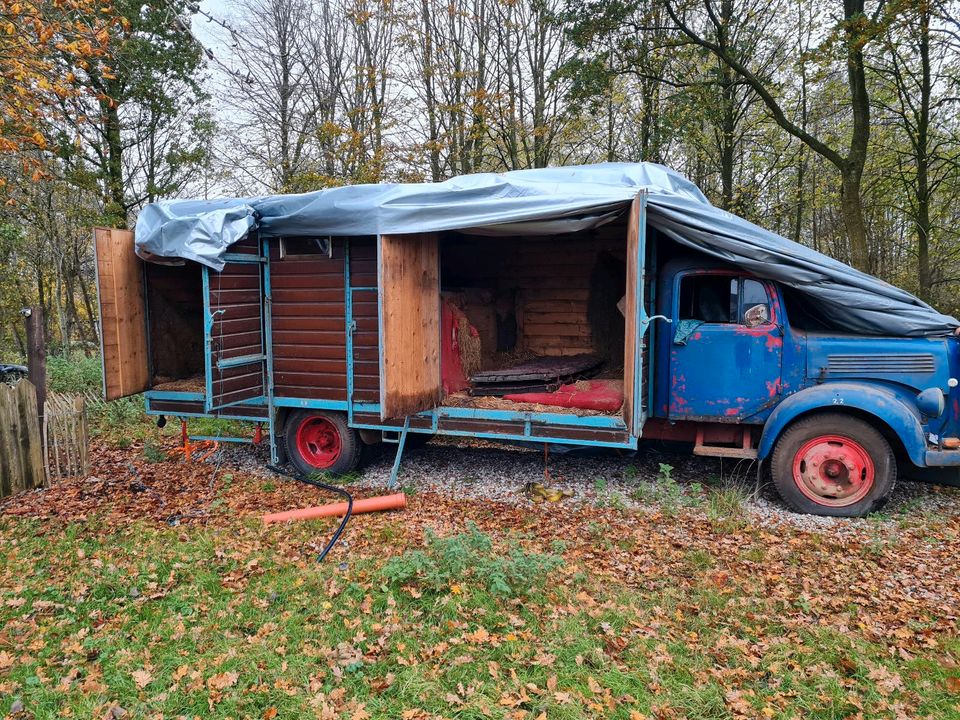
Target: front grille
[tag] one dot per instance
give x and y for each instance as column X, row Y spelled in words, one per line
column 877, row 364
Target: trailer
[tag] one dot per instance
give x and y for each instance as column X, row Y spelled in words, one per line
column 589, row 306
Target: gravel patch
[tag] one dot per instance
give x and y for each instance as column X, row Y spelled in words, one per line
column 655, row 478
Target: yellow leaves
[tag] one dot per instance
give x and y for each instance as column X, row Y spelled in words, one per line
column 478, row 636
column 270, row 713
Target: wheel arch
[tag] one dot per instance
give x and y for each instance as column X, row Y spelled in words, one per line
column 883, row 407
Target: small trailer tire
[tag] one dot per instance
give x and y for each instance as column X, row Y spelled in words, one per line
column 833, row 464
column 321, row 442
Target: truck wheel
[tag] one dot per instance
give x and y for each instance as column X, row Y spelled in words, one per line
column 321, row 442
column 833, row 464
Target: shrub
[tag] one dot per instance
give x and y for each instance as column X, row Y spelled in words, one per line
column 117, row 415
column 470, row 558
column 74, row 374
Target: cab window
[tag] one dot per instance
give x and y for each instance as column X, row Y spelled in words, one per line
column 723, row 299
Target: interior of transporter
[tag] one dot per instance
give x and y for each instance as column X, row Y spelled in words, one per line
column 514, row 337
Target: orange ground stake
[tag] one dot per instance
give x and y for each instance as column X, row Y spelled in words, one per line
column 374, row 504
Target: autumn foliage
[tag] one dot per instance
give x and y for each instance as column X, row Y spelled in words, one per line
column 42, row 46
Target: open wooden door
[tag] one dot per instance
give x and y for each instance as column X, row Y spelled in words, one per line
column 123, row 324
column 635, row 319
column 408, row 278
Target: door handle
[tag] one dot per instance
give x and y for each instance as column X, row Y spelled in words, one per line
column 658, row 317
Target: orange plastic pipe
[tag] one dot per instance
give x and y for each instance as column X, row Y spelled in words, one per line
column 374, row 504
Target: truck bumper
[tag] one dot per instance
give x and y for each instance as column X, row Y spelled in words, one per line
column 943, row 458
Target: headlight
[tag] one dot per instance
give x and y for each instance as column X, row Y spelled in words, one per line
column 931, row 402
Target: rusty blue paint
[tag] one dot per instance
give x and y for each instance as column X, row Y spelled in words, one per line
column 774, row 374
column 888, row 404
column 724, row 372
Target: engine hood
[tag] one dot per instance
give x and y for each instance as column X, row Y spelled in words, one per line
column 915, row 363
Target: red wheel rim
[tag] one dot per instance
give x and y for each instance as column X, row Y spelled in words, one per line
column 318, row 442
column 833, row 470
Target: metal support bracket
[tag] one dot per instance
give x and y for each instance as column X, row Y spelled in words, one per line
column 401, row 441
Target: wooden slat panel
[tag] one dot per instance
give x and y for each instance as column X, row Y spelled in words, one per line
column 309, row 325
column 236, row 299
column 123, row 327
column 409, row 284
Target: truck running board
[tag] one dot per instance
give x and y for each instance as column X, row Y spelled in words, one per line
column 746, row 449
column 730, row 452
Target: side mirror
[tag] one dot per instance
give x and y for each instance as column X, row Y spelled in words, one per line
column 756, row 315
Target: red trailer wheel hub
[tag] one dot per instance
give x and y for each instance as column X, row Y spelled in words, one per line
column 318, row 441
column 833, row 470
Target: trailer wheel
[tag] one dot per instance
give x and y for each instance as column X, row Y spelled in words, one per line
column 321, row 442
column 833, row 464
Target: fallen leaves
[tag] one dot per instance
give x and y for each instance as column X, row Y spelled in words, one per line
column 142, row 678
column 222, row 681
column 751, row 615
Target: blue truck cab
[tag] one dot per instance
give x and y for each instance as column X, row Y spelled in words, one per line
column 746, row 368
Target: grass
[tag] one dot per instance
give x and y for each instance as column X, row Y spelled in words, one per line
column 213, row 623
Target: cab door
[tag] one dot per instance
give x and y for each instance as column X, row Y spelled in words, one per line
column 727, row 348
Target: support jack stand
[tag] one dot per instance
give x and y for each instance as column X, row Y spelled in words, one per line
column 401, row 442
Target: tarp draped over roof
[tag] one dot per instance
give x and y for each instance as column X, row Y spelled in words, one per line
column 541, row 201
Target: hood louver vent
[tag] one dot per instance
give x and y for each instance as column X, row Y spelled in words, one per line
column 880, row 364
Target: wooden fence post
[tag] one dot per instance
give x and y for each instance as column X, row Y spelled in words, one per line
column 36, row 355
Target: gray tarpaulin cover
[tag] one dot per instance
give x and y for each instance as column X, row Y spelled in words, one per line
column 542, row 201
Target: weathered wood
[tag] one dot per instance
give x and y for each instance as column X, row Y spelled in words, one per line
column 541, row 368
column 123, row 327
column 409, row 283
column 21, row 449
column 65, row 436
column 36, row 351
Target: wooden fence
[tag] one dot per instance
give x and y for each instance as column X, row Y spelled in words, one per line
column 65, row 436
column 21, row 447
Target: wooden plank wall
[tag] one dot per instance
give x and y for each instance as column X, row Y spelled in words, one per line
column 552, row 277
column 236, row 301
column 21, row 449
column 309, row 326
column 175, row 318
column 409, row 284
column 123, row 329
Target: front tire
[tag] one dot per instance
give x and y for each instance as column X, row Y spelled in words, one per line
column 833, row 464
column 321, row 442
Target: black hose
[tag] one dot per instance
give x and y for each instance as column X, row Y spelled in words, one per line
column 329, row 488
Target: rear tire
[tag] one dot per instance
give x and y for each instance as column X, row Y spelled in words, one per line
column 833, row 464
column 321, row 442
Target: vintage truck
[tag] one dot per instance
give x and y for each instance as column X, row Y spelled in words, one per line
column 594, row 306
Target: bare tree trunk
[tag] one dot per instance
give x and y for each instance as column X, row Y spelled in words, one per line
column 922, row 222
